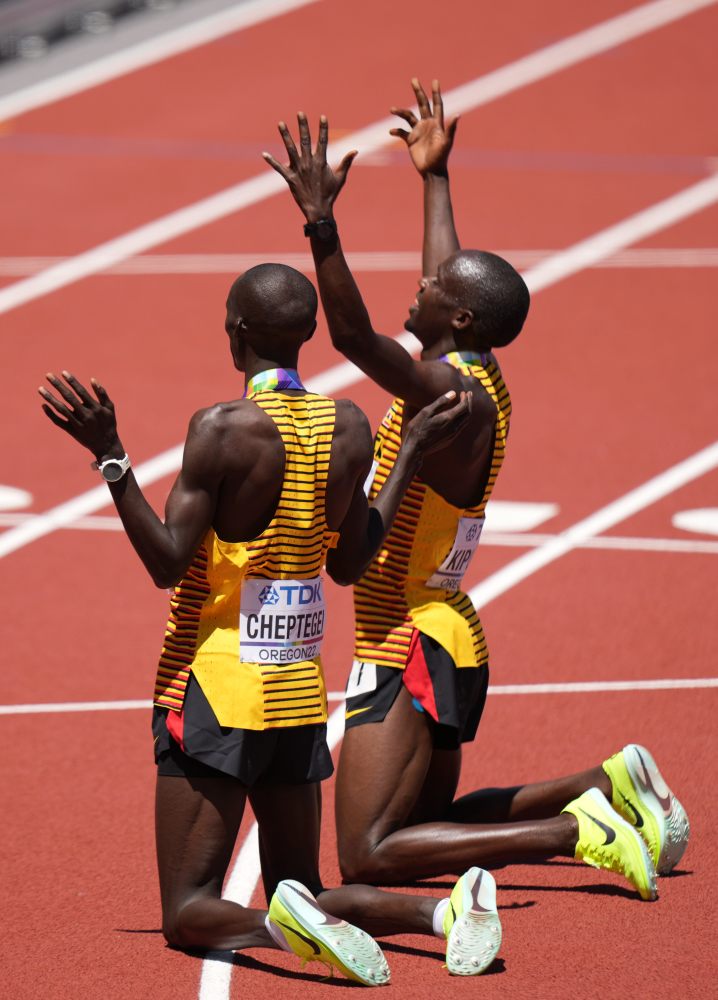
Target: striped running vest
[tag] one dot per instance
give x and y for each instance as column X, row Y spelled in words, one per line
column 415, row 580
column 245, row 618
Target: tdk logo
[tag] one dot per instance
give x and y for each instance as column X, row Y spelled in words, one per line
column 301, row 593
column 269, row 595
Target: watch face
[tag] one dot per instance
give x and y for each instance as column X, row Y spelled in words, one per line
column 112, row 471
column 325, row 230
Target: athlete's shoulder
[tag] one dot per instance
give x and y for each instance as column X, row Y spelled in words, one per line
column 214, row 426
column 351, row 417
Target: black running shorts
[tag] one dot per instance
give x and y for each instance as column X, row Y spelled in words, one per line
column 294, row 755
column 452, row 697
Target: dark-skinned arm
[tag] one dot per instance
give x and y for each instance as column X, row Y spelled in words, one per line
column 429, row 142
column 365, row 524
column 315, row 186
column 166, row 548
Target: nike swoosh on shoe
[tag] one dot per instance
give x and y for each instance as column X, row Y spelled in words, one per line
column 608, row 830
column 299, row 934
column 639, row 818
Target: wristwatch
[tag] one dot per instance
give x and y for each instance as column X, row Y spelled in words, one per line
column 112, row 469
column 323, row 229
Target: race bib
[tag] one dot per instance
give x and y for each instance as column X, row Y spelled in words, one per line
column 362, row 679
column 281, row 621
column 368, row 482
column 451, row 572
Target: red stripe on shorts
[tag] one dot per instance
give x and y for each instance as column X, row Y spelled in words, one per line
column 417, row 679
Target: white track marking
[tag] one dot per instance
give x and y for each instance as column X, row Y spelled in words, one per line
column 12, row 498
column 467, row 97
column 336, row 720
column 54, row 708
column 360, row 261
column 607, row 517
column 622, row 543
column 86, row 503
column 518, row 539
column 516, row 515
column 154, row 50
column 586, row 687
column 99, row 523
column 659, row 216
column 704, row 520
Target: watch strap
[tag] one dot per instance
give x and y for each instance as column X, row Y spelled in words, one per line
column 323, row 229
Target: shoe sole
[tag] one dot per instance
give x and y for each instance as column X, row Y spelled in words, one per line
column 655, row 795
column 340, row 944
column 475, row 936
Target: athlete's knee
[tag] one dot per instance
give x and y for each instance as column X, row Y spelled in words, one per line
column 363, row 863
column 172, row 932
column 179, row 929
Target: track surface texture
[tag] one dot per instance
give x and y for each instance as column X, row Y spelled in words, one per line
column 613, row 383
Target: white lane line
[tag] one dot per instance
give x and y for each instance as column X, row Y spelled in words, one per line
column 360, row 261
column 530, row 69
column 98, row 523
column 622, row 543
column 216, row 973
column 153, row 50
column 607, row 517
column 336, row 721
column 55, row 708
column 704, row 520
column 497, row 539
column 637, row 227
column 586, row 687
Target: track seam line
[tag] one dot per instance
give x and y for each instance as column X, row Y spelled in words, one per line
column 559, row 687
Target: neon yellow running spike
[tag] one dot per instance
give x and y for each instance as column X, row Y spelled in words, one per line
column 642, row 797
column 316, row 936
column 471, row 924
column 605, row 840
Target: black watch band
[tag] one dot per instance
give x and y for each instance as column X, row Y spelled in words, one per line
column 323, row 229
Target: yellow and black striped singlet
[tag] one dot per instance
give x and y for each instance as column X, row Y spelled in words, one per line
column 203, row 631
column 393, row 599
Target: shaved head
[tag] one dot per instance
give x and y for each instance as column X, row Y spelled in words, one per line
column 275, row 302
column 492, row 289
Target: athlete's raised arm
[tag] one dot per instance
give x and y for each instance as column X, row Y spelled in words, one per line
column 429, row 142
column 315, row 187
column 166, row 548
column 365, row 524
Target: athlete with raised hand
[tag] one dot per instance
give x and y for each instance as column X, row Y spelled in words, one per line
column 270, row 486
column 419, row 680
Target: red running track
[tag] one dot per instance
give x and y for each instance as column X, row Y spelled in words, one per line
column 613, row 382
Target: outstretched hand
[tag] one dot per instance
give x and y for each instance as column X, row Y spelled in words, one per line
column 429, row 141
column 89, row 419
column 438, row 423
column 313, row 183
